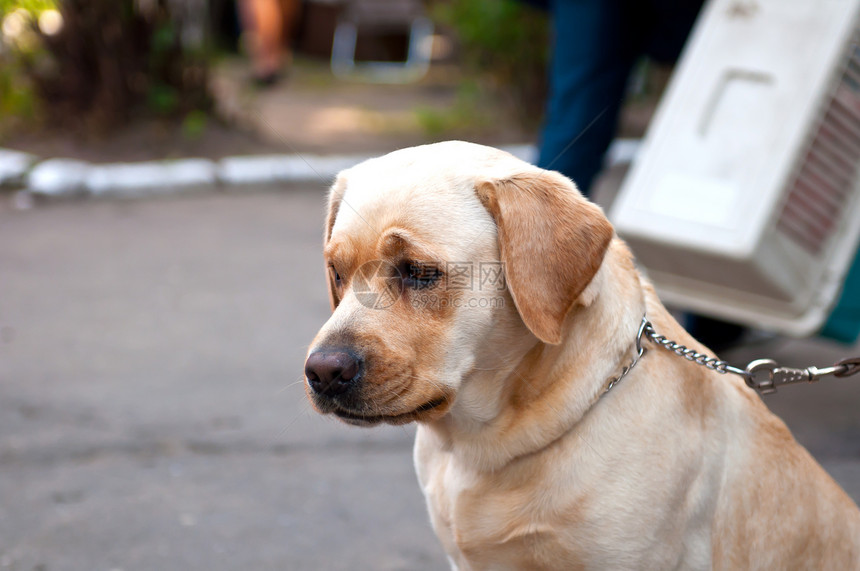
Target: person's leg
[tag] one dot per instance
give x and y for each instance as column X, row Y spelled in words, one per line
column 263, row 22
column 291, row 10
column 594, row 49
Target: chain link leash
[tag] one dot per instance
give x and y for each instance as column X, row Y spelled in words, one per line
column 762, row 375
column 689, row 354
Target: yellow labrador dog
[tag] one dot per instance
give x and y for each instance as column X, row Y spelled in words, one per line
column 488, row 301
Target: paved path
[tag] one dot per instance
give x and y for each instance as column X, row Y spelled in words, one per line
column 151, row 409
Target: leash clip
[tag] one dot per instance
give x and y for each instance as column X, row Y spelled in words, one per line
column 765, row 375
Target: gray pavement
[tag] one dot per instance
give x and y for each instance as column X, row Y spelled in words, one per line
column 151, row 406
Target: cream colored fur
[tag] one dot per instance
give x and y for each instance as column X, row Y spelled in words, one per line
column 524, row 465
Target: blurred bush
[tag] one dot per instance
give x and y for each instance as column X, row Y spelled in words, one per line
column 95, row 64
column 468, row 116
column 506, row 43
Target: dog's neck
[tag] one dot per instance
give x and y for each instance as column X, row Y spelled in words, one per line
column 509, row 409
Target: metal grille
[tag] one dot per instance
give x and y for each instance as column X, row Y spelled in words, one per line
column 829, row 171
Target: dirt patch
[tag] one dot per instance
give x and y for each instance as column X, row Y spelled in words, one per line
column 142, row 141
column 310, row 111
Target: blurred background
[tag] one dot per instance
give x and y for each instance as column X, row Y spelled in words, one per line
column 157, row 295
column 135, row 80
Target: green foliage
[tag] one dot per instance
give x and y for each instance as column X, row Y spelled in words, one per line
column 17, row 100
column 109, row 62
column 162, row 99
column 468, row 113
column 499, row 31
column 194, row 125
column 16, row 97
column 164, row 37
column 31, row 6
column 507, row 41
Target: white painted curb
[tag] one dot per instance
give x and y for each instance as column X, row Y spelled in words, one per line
column 58, row 177
column 14, row 166
column 162, row 176
column 66, row 177
column 284, row 168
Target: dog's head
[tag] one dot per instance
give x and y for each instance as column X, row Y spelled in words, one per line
column 438, row 259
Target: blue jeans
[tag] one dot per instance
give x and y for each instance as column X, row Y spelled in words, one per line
column 596, row 43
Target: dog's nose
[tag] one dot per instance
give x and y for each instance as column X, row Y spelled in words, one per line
column 331, row 373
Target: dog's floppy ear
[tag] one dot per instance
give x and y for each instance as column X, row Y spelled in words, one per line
column 552, row 242
column 335, row 196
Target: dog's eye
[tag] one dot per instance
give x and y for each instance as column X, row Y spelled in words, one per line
column 419, row 275
column 336, row 275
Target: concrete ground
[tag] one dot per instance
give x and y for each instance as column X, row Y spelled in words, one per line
column 152, row 414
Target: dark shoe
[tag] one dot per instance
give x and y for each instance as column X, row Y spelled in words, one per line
column 267, row 80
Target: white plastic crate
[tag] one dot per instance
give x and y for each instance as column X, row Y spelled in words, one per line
column 744, row 200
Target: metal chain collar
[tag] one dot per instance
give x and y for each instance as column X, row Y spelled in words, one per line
column 763, row 375
column 640, row 350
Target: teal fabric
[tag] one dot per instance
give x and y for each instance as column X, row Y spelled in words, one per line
column 844, row 322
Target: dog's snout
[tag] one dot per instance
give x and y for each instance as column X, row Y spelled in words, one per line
column 331, row 373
